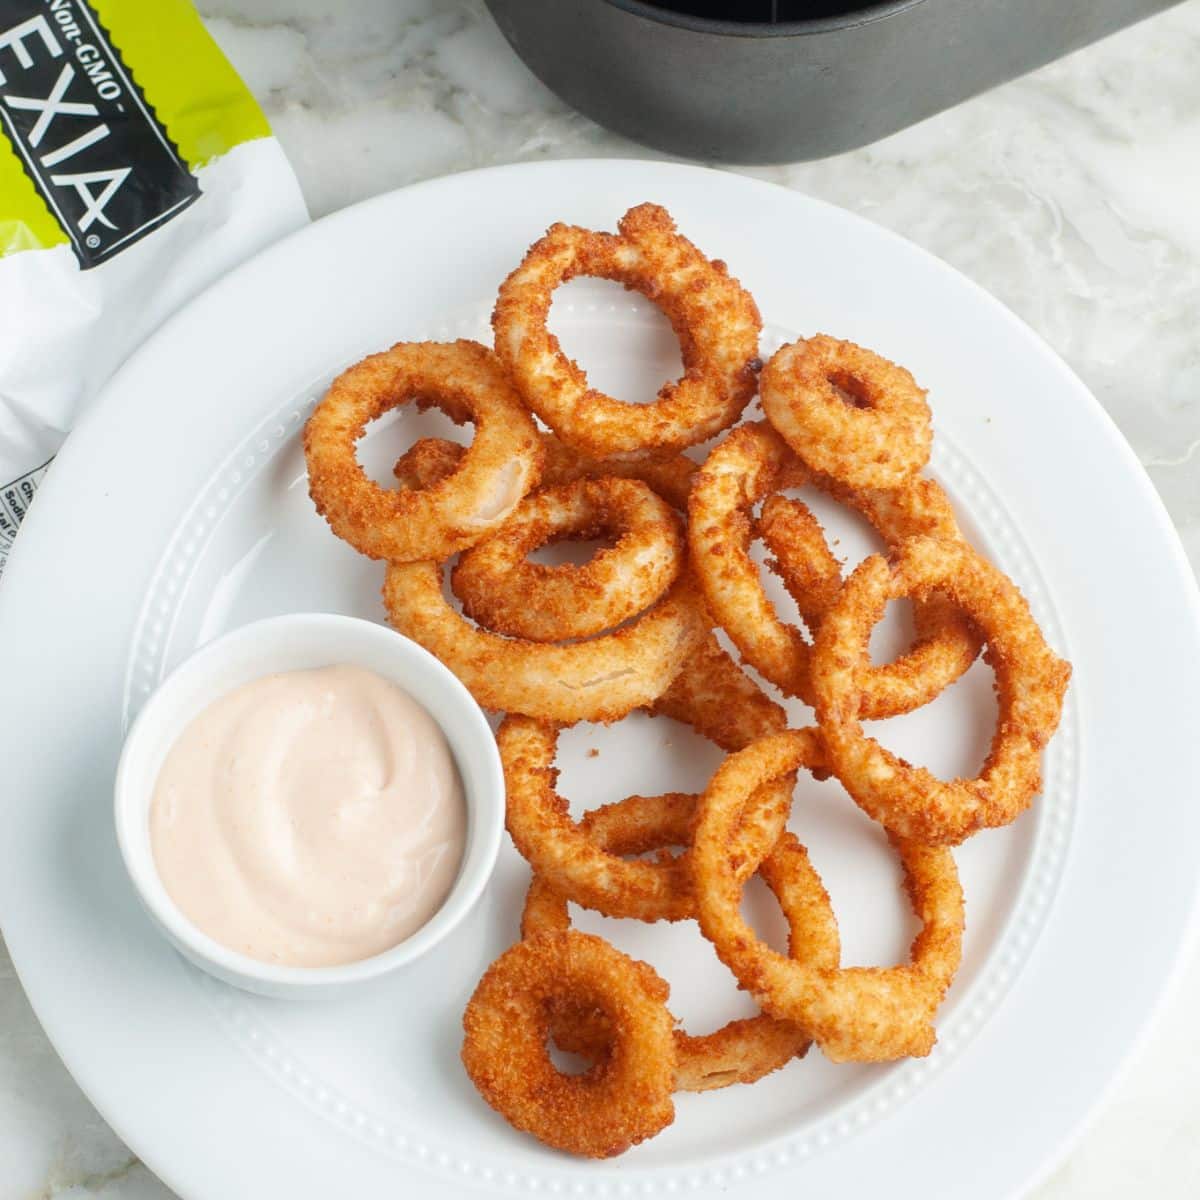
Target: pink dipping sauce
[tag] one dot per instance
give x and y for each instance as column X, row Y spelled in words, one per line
column 310, row 818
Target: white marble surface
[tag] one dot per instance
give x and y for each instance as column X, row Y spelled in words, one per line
column 1072, row 194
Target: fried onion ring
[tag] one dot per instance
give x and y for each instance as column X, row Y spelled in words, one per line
column 743, row 1050
column 848, row 412
column 722, row 704
column 500, row 466
column 506, row 593
column 1031, row 681
column 752, row 463
column 430, row 460
column 624, row 1098
column 715, row 319
column 601, row 679
column 855, row 1014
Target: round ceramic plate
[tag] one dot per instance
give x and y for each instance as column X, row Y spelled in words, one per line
column 178, row 509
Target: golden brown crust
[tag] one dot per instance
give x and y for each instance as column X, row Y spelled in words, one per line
column 504, row 592
column 560, row 850
column 430, row 460
column 752, row 464
column 719, row 700
column 624, row 1098
column 1030, row 684
column 848, row 412
column 855, row 1014
column 738, row 473
column 715, row 319
column 740, row 1051
column 633, row 628
column 945, row 642
column 601, row 679
column 495, row 472
column 670, row 475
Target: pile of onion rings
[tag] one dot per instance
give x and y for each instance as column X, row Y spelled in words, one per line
column 722, row 704
column 859, row 1014
column 753, row 464
column 741, row 1051
column 637, row 625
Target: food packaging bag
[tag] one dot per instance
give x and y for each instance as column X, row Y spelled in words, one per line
column 135, row 168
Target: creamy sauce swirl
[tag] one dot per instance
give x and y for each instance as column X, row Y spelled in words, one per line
column 310, row 818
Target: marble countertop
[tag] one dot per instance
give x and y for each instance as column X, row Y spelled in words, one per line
column 1072, row 194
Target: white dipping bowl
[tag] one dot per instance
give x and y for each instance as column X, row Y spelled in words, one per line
column 291, row 643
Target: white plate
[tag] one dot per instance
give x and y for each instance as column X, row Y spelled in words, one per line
column 178, row 510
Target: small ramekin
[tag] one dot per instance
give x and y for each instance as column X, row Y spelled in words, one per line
column 291, row 643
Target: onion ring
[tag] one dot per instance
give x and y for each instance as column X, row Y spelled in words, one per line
column 1031, row 681
column 715, row 319
column 506, row 593
column 597, row 680
column 430, row 460
column 855, row 1014
column 722, row 704
column 500, row 466
column 848, row 412
column 623, row 1099
column 743, row 1050
column 752, row 463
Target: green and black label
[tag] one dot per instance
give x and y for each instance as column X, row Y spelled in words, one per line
column 87, row 138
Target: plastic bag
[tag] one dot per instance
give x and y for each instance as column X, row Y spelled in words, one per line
column 135, row 168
